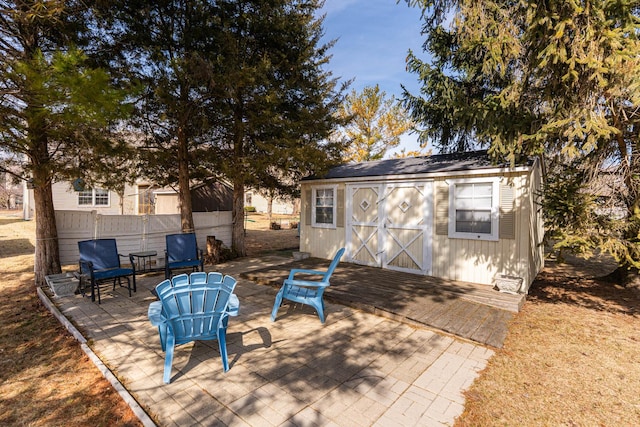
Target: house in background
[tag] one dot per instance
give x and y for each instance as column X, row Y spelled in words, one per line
column 138, row 199
column 451, row 216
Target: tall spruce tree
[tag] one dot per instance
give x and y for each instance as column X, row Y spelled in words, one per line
column 560, row 79
column 58, row 110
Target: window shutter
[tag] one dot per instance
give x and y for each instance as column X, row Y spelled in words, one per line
column 442, row 210
column 307, row 207
column 340, row 209
column 507, row 225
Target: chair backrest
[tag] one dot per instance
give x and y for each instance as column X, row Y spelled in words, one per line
column 181, row 247
column 214, row 277
column 103, row 253
column 333, row 265
column 196, row 311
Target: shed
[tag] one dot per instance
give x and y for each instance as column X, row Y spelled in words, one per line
column 452, row 216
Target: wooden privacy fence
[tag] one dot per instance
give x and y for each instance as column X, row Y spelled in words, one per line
column 135, row 233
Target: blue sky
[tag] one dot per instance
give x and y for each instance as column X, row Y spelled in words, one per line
column 373, row 38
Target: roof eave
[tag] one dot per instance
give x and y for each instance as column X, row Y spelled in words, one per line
column 424, row 176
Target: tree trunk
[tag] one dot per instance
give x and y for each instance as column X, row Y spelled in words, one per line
column 237, row 235
column 47, row 255
column 270, row 208
column 184, row 192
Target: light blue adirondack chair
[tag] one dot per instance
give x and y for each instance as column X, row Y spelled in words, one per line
column 193, row 310
column 182, row 252
column 100, row 261
column 306, row 291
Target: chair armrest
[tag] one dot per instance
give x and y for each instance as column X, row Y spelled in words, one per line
column 155, row 313
column 234, row 305
column 306, row 283
column 88, row 264
column 304, row 271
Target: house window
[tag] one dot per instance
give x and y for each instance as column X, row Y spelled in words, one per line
column 324, row 207
column 95, row 197
column 473, row 209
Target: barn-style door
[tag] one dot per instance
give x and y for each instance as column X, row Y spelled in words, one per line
column 363, row 224
column 389, row 225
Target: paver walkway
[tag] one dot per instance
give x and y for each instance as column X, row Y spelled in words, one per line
column 470, row 311
column 358, row 369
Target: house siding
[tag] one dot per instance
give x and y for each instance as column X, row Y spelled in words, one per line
column 65, row 198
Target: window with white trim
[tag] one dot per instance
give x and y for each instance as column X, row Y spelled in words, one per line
column 473, row 209
column 93, row 197
column 323, row 212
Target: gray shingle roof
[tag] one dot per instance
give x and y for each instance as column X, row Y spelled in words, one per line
column 439, row 163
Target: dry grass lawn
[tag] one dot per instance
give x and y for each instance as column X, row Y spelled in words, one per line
column 572, row 356
column 46, row 378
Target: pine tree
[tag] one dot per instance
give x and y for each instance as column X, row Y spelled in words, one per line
column 275, row 102
column 59, row 110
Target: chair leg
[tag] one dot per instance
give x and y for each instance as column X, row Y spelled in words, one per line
column 168, row 360
column 276, row 305
column 222, row 345
column 98, row 292
column 319, row 309
column 162, row 331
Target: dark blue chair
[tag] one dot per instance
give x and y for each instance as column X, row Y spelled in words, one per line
column 100, row 261
column 195, row 309
column 182, row 252
column 306, row 291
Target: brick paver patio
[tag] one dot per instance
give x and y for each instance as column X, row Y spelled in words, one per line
column 358, row 369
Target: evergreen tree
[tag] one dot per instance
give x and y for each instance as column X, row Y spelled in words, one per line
column 58, row 110
column 170, row 47
column 275, row 102
column 234, row 89
column 375, row 125
column 559, row 79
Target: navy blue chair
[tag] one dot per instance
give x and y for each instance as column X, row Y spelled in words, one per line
column 182, row 252
column 306, row 291
column 100, row 261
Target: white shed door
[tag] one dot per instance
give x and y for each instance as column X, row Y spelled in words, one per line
column 364, row 219
column 389, row 225
column 407, row 227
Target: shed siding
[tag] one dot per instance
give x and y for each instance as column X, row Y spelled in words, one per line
column 535, row 226
column 480, row 261
column 322, row 242
column 517, row 251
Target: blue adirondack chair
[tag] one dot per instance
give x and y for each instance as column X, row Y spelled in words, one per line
column 193, row 310
column 99, row 259
column 182, row 252
column 306, row 291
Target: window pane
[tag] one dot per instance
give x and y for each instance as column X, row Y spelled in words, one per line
column 85, row 197
column 483, row 190
column 473, row 204
column 102, row 197
column 324, row 215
